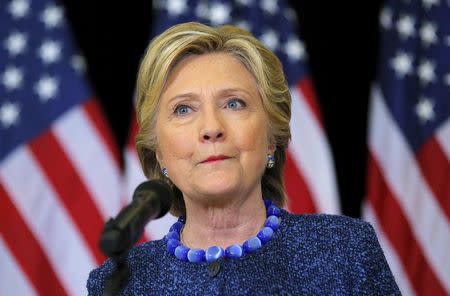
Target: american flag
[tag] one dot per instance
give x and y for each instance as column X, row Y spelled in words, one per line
column 408, row 198
column 59, row 169
column 309, row 175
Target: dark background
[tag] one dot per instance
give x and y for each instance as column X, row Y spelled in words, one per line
column 341, row 40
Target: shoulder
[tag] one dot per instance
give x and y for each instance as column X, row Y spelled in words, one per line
column 339, row 237
column 344, row 247
column 139, row 258
column 328, row 227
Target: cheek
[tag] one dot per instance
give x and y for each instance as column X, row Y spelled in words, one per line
column 174, row 144
column 253, row 138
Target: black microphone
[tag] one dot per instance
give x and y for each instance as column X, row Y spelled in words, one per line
column 151, row 200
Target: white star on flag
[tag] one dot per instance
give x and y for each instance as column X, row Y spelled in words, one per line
column 52, row 16
column 50, row 51
column 202, row 10
column 270, row 39
column 78, row 63
column 402, row 64
column 271, row 6
column 429, row 3
column 424, row 109
column 46, row 88
column 405, row 26
column 386, row 18
column 12, row 78
column 219, row 14
column 9, row 114
column 290, row 14
column 15, row 43
column 294, row 49
column 176, row 7
column 426, row 72
column 19, row 8
column 428, row 34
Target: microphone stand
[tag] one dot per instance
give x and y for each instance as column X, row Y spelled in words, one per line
column 151, row 200
column 119, row 278
column 115, row 243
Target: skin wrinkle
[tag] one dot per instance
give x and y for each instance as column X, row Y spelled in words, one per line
column 223, row 198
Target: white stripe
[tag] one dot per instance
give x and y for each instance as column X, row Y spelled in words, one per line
column 91, row 158
column 133, row 172
column 394, row 262
column 156, row 229
column 12, row 280
column 312, row 154
column 428, row 223
column 47, row 219
column 443, row 137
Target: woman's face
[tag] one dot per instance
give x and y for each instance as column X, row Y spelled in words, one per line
column 212, row 129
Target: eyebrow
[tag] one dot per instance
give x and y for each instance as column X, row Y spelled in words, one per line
column 221, row 92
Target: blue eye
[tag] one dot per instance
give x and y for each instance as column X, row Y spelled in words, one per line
column 182, row 110
column 235, row 104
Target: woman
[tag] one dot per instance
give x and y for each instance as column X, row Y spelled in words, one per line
column 213, row 108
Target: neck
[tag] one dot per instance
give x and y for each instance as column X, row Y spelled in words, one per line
column 231, row 223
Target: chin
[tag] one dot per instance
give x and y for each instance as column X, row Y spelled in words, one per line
column 219, row 187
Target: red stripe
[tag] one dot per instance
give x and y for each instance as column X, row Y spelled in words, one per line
column 70, row 188
column 300, row 198
column 26, row 250
column 133, row 131
column 435, row 168
column 96, row 117
column 394, row 224
column 305, row 87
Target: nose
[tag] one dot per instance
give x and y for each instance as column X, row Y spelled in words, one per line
column 212, row 128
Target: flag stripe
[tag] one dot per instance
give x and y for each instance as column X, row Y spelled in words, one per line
column 26, row 250
column 394, row 262
column 443, row 136
column 133, row 171
column 95, row 115
column 87, row 153
column 435, row 168
column 37, row 203
column 13, row 281
column 317, row 172
column 75, row 197
column 300, row 198
column 404, row 180
column 399, row 233
column 306, row 88
column 134, row 175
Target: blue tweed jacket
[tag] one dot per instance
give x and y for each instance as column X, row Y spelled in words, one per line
column 308, row 255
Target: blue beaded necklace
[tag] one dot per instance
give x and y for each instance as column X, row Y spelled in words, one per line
column 214, row 253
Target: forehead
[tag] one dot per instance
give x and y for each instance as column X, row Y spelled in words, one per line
column 209, row 70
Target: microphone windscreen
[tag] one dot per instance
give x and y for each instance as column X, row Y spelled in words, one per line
column 160, row 193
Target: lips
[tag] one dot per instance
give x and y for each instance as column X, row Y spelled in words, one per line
column 215, row 158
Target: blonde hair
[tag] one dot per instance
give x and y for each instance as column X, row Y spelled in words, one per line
column 183, row 40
